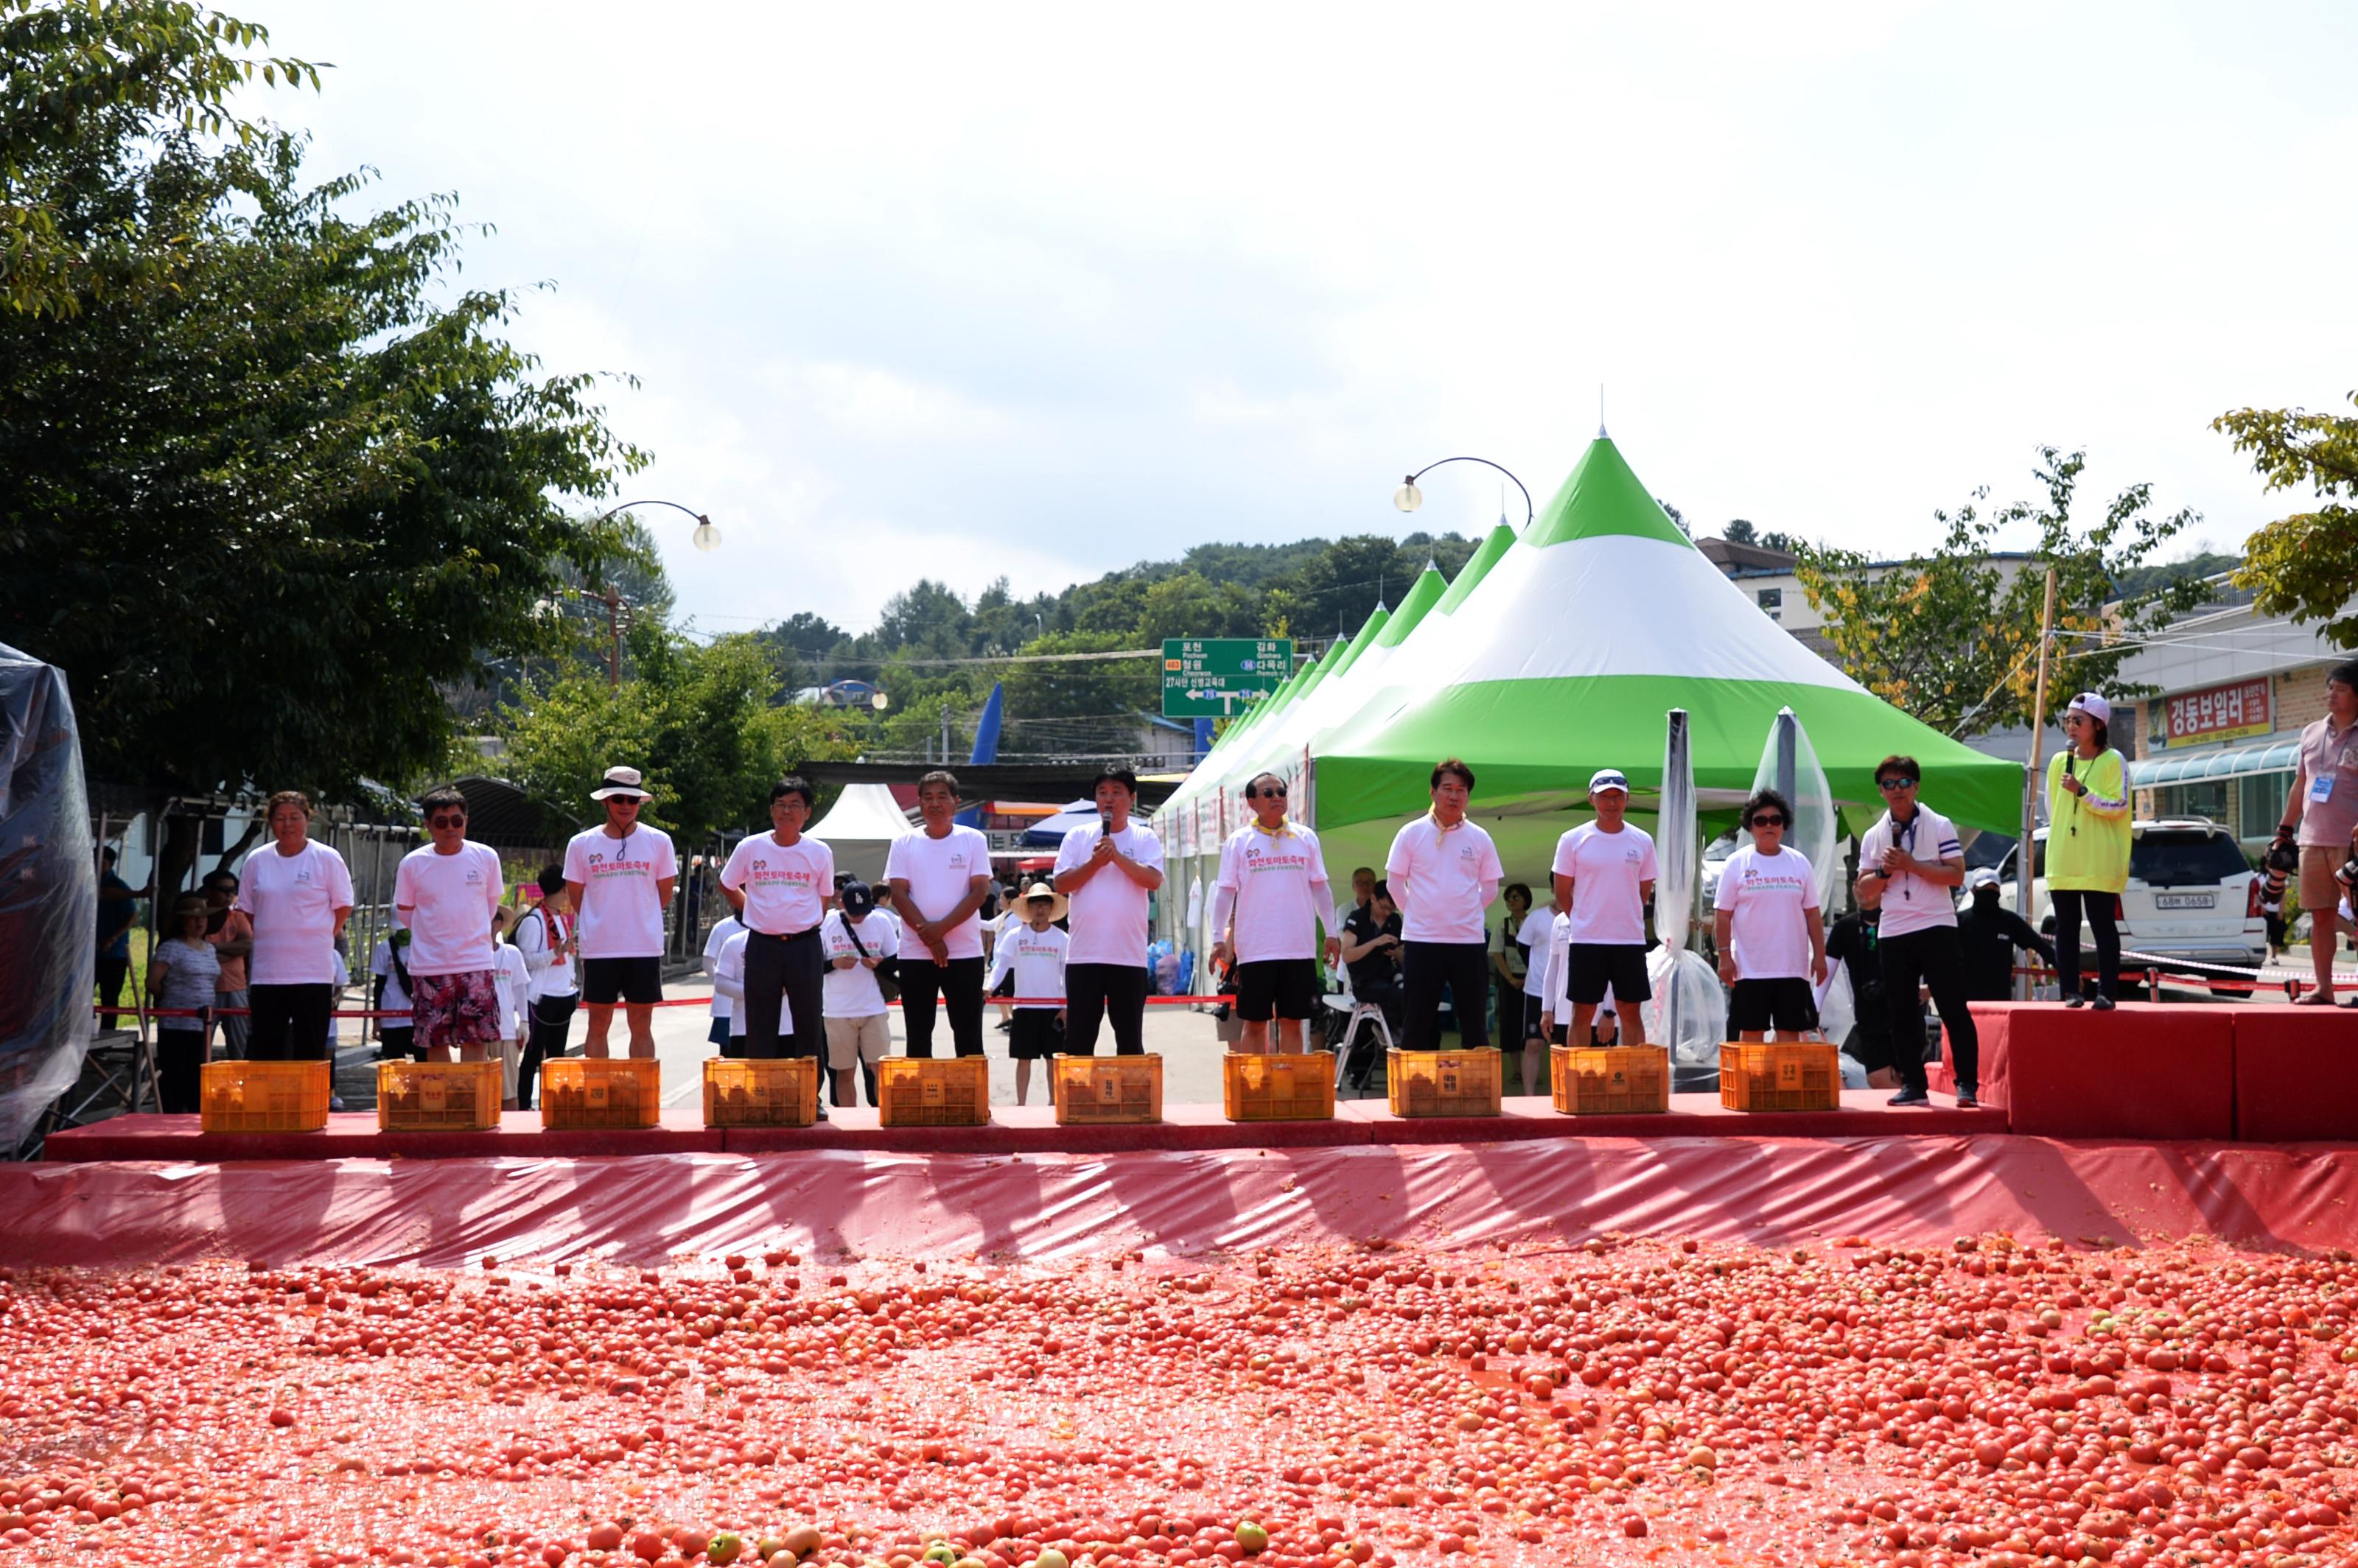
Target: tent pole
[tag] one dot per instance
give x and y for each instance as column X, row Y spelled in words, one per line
column 2023, row 857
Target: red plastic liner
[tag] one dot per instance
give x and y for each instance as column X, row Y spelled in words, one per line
column 644, row 1209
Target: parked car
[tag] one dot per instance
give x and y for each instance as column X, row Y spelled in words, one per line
column 2192, row 897
column 1714, row 861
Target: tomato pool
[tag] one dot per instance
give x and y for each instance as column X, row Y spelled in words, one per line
column 1624, row 1402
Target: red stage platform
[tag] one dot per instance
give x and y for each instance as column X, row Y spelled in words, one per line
column 1012, row 1131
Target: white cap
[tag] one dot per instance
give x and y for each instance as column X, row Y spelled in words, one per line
column 1986, row 877
column 2094, row 706
column 1607, row 778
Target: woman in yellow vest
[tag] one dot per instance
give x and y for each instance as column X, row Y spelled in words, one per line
column 2087, row 845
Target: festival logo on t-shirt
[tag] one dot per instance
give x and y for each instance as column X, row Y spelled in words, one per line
column 789, row 875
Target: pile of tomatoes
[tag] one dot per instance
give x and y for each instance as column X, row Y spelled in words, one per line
column 1626, row 1401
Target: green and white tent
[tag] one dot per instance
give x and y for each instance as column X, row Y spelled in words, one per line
column 1553, row 654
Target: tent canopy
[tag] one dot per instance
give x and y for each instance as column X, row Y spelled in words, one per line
column 859, row 827
column 1564, row 657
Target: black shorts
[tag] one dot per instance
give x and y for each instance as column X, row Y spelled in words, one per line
column 1034, row 1034
column 1539, row 1017
column 605, row 981
column 1617, row 966
column 1283, row 987
column 1786, row 1006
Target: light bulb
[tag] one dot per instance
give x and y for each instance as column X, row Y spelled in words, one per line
column 706, row 537
column 1407, row 498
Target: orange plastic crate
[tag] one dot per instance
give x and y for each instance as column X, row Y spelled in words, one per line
column 600, row 1091
column 264, row 1097
column 1094, row 1090
column 778, row 1092
column 1775, row 1075
column 1278, row 1088
column 1601, row 1080
column 1444, row 1083
column 924, row 1091
column 438, row 1096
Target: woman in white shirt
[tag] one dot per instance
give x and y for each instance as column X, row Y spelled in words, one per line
column 181, row 975
column 544, row 935
column 298, row 894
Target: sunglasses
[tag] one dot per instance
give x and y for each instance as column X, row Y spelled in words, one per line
column 1892, row 787
column 1268, row 794
column 447, row 821
column 1765, row 820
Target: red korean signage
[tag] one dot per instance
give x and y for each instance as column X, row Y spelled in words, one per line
column 2218, row 713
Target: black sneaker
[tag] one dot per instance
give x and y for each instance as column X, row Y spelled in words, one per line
column 2102, row 1004
column 1967, row 1100
column 1911, row 1096
column 2075, row 1000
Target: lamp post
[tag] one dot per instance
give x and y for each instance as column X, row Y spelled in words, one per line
column 1407, row 498
column 706, row 538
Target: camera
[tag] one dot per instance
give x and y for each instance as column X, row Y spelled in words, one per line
column 2283, row 857
column 2347, row 874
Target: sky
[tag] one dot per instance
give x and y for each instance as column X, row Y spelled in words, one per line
column 1042, row 291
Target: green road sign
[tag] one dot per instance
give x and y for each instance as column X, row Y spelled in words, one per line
column 1213, row 677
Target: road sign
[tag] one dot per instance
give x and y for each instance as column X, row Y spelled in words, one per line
column 1213, row 677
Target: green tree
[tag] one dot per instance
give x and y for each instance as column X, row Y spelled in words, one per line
column 2304, row 566
column 267, row 518
column 697, row 719
column 81, row 80
column 1952, row 637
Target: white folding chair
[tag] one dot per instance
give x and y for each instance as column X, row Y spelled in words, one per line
column 1355, row 1012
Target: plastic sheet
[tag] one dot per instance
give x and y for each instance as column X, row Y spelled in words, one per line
column 48, row 895
column 1689, row 1011
column 1789, row 764
column 1770, row 1191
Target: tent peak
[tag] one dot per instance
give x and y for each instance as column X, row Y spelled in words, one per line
column 1603, row 496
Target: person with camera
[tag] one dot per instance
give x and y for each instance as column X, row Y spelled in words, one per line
column 2087, row 847
column 2321, row 818
column 1914, row 853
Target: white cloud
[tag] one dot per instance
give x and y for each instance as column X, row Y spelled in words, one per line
column 956, row 292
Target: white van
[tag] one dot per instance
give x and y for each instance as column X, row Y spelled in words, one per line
column 2190, row 895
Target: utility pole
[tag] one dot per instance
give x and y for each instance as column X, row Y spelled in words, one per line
column 2024, row 857
column 618, row 618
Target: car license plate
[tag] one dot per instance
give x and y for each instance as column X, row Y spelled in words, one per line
column 2185, row 899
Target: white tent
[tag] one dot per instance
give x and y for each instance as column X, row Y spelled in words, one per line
column 859, row 827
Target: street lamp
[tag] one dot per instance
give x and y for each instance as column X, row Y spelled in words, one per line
column 706, row 538
column 1407, row 498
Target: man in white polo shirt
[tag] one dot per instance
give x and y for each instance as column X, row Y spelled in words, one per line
column 1109, row 870
column 1914, row 851
column 1265, row 911
column 1605, row 875
column 445, row 893
column 1443, row 872
column 618, row 878
column 779, row 882
column 939, row 879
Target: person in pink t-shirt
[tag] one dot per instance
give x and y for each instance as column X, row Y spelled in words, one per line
column 1266, row 907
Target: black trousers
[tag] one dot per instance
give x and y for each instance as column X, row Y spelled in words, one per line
column 2069, row 902
column 1934, row 958
column 114, row 974
column 290, row 1023
column 793, row 968
column 1115, row 993
column 958, row 983
column 1426, row 969
column 180, row 1068
column 548, row 1020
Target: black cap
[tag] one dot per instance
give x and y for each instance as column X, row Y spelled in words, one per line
column 859, row 900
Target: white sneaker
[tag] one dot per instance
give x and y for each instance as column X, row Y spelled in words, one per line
column 335, row 1102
